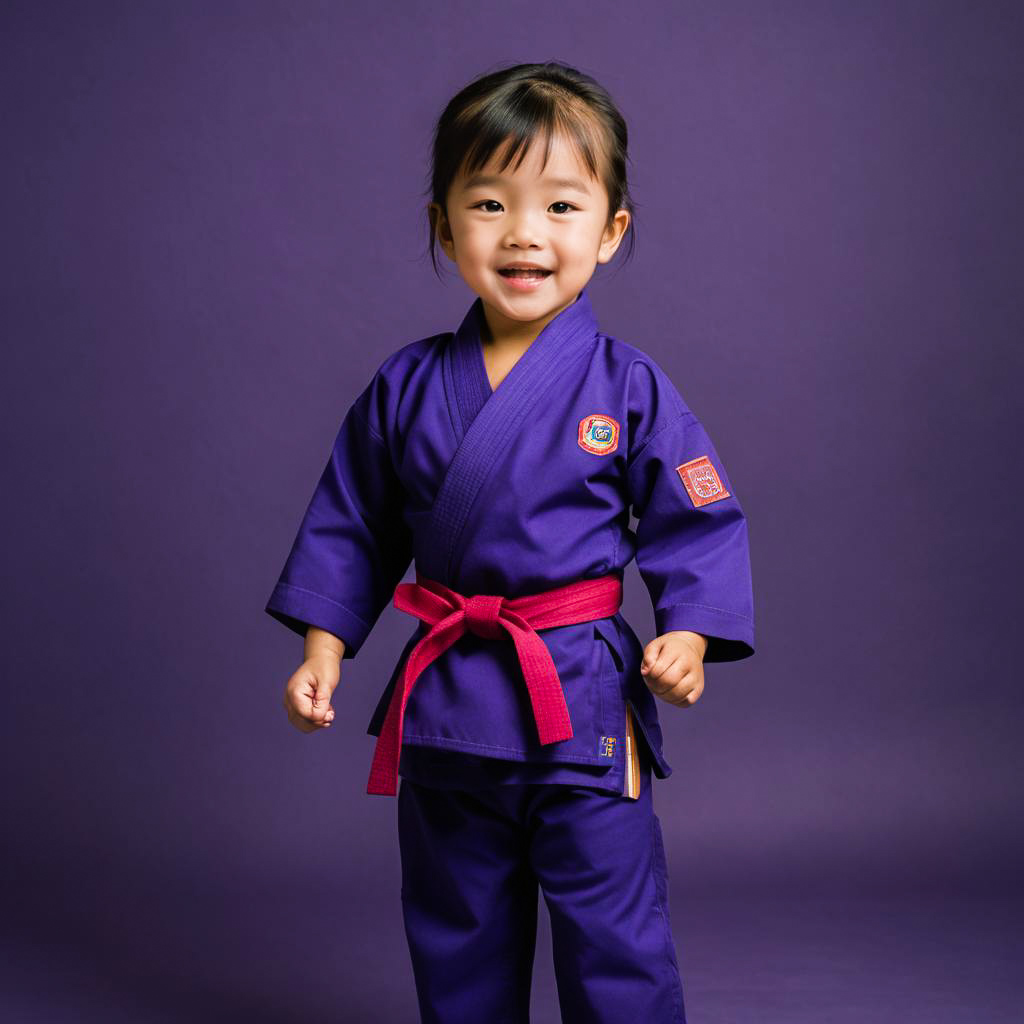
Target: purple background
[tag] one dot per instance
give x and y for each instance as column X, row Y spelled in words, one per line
column 213, row 235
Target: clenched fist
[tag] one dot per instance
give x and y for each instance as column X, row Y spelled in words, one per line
column 307, row 695
column 673, row 666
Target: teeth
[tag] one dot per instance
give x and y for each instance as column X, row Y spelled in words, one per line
column 515, row 272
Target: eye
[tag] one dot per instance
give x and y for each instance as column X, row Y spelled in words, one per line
column 494, row 203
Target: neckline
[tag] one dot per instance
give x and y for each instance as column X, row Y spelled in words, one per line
column 566, row 320
column 466, row 371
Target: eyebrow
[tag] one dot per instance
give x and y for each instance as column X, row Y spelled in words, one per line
column 490, row 179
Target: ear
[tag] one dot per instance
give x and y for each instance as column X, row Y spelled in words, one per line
column 442, row 229
column 613, row 235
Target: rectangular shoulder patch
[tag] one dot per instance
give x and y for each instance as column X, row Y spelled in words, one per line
column 701, row 480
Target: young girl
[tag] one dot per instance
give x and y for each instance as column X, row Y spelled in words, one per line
column 504, row 458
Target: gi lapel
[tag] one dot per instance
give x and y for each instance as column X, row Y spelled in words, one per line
column 489, row 421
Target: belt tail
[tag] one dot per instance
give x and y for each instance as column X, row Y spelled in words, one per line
column 550, row 711
column 383, row 780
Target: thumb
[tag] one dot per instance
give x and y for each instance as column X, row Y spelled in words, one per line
column 321, row 699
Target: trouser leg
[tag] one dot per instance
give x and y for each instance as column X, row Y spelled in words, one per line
column 600, row 861
column 469, row 903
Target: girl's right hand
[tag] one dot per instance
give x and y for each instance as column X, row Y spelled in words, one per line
column 307, row 695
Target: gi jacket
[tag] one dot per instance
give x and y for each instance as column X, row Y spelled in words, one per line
column 516, row 490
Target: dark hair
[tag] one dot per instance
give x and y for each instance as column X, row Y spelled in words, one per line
column 518, row 104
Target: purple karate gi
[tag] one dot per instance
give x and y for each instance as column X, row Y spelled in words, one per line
column 511, row 492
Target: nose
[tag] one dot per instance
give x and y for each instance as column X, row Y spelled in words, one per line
column 522, row 232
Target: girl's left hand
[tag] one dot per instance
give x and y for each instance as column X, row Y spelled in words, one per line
column 673, row 667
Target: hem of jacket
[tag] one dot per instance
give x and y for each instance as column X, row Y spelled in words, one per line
column 502, row 753
column 504, row 772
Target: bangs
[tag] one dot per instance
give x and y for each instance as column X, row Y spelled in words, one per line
column 511, row 123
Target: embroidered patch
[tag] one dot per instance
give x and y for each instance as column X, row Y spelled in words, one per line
column 606, row 746
column 598, row 433
column 701, row 481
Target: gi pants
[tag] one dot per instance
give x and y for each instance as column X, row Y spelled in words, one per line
column 471, row 864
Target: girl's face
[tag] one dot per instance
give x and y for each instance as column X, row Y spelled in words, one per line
column 555, row 219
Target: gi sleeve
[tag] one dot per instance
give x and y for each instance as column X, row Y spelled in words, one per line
column 692, row 548
column 353, row 545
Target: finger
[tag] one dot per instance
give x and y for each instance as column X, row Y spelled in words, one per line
column 310, row 718
column 682, row 671
column 651, row 653
column 298, row 689
column 302, row 706
column 658, row 685
column 667, row 673
column 301, row 702
column 320, row 706
column 684, row 699
column 691, row 694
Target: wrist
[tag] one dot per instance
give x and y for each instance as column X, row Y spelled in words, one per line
column 698, row 641
column 321, row 643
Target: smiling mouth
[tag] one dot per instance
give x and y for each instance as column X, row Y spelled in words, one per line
column 522, row 272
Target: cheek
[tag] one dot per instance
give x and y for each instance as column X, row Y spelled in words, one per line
column 472, row 241
column 583, row 240
column 479, row 241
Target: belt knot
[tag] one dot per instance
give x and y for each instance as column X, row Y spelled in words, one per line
column 489, row 615
column 482, row 612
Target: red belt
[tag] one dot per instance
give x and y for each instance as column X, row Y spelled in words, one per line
column 450, row 615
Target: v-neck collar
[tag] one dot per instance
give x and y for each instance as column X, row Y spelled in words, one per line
column 486, row 422
column 472, row 387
